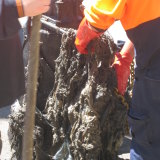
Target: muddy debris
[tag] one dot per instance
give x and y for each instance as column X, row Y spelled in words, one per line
column 83, row 119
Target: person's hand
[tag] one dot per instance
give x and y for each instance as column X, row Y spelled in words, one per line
column 35, row 7
column 84, row 35
column 122, row 64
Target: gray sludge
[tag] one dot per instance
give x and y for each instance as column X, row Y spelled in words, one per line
column 83, row 118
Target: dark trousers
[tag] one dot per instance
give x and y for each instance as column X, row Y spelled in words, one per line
column 144, row 113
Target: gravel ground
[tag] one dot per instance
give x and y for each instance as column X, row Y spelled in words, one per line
column 6, row 150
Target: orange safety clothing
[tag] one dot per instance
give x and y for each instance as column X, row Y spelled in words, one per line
column 20, row 8
column 122, row 64
column 140, row 19
column 84, row 36
column 102, row 13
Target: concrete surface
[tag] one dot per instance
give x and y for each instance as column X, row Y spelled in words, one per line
column 6, row 150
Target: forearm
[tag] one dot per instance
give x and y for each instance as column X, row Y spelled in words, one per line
column 128, row 48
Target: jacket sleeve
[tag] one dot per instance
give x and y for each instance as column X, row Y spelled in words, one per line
column 9, row 24
column 102, row 13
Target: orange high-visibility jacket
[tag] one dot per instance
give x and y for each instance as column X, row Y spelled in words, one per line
column 140, row 19
column 102, row 13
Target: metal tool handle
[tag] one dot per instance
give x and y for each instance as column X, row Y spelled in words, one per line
column 33, row 66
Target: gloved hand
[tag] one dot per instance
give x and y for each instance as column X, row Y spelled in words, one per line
column 84, row 35
column 122, row 64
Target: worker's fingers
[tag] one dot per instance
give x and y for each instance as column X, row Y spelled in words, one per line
column 34, row 7
column 46, row 2
column 44, row 8
column 40, row 10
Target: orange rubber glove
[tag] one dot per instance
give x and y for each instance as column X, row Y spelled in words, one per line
column 84, row 35
column 122, row 64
